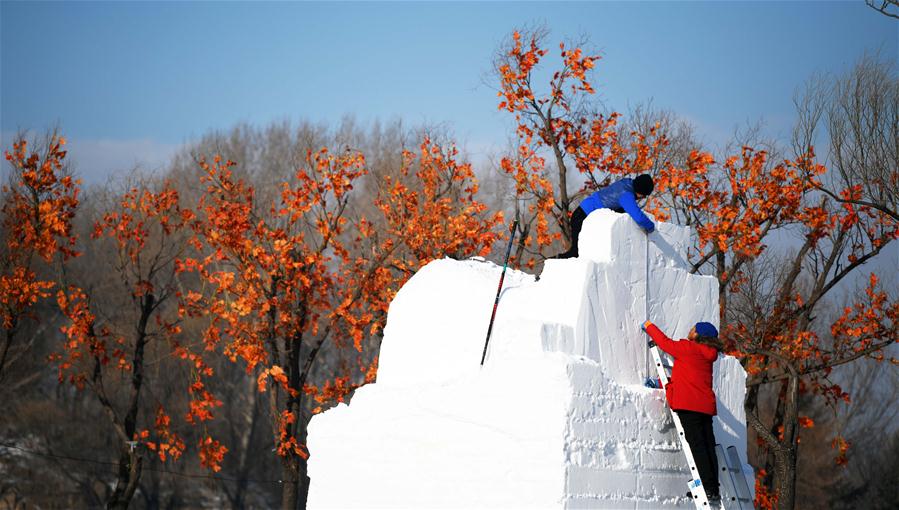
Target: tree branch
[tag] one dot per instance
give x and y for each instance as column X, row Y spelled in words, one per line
column 884, row 6
column 864, row 203
column 757, row 380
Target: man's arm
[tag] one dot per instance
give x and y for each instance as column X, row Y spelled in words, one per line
column 629, row 203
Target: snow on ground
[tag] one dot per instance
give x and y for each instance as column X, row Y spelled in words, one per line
column 557, row 417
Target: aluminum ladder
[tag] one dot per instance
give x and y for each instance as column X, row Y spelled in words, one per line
column 735, row 490
column 695, row 485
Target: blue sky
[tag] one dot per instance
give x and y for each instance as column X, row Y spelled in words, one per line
column 129, row 82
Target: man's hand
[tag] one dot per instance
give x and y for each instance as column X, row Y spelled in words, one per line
column 650, row 344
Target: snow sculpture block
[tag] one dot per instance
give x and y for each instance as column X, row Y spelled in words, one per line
column 557, row 417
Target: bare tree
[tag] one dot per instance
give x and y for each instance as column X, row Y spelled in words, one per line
column 859, row 112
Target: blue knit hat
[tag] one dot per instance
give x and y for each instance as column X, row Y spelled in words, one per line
column 706, row 329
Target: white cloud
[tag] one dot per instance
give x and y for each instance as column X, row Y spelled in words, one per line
column 94, row 160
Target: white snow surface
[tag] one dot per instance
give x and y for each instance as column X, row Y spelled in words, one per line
column 557, row 417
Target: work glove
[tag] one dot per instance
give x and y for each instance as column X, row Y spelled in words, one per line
column 652, row 382
column 643, row 326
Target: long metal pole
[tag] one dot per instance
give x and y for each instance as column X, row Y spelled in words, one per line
column 648, row 360
column 499, row 289
column 646, row 306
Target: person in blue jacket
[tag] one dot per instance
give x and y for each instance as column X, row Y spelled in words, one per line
column 620, row 196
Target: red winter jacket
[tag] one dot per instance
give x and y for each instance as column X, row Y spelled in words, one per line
column 690, row 386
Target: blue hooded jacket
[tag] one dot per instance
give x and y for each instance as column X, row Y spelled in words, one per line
column 619, row 197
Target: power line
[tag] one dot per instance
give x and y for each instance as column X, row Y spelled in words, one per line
column 147, row 468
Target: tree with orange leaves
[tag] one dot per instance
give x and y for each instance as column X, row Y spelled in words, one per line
column 736, row 208
column 558, row 121
column 106, row 344
column 288, row 278
column 38, row 206
column 145, row 231
column 768, row 319
column 768, row 312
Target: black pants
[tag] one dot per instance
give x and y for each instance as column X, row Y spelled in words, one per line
column 701, row 438
column 576, row 221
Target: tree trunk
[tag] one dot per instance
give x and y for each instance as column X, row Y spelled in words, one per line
column 522, row 243
column 785, row 458
column 130, row 465
column 304, row 480
column 564, row 202
column 7, row 342
column 130, row 461
column 720, row 268
column 783, row 451
column 785, row 477
column 290, row 483
column 294, row 481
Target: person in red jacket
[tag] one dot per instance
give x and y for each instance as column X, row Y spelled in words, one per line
column 690, row 395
